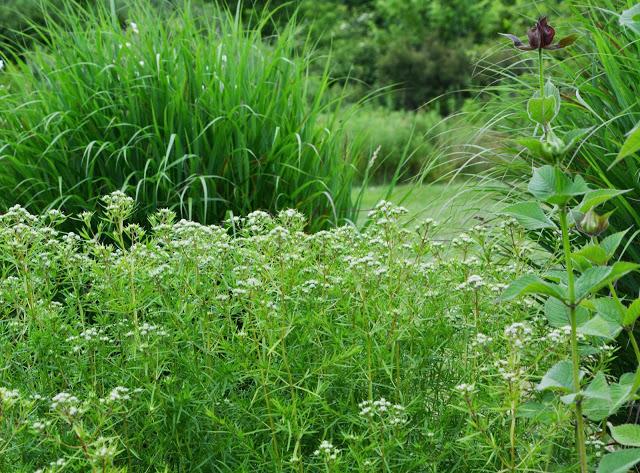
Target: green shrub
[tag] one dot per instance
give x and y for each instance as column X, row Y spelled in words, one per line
column 196, row 114
column 245, row 347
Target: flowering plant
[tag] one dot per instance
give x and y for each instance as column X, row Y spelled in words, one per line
column 582, row 296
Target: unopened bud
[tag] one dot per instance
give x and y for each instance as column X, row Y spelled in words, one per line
column 593, row 224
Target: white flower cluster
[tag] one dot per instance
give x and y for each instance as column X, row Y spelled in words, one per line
column 53, row 466
column 518, row 334
column 386, row 213
column 65, row 404
column 394, row 414
column 509, row 374
column 147, row 329
column 118, row 205
column 8, row 396
column 327, row 450
column 104, row 451
column 119, row 393
column 482, row 340
column 39, row 426
column 473, row 282
column 559, row 335
column 89, row 335
column 465, row 388
column 462, row 241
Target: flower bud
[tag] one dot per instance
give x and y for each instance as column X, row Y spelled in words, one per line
column 593, row 224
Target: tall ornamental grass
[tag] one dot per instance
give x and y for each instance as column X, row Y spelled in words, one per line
column 598, row 81
column 197, row 113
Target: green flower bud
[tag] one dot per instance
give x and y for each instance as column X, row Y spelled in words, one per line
column 593, row 224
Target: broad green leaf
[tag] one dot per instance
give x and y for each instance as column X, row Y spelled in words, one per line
column 632, row 313
column 558, row 314
column 619, row 462
column 596, row 197
column 551, row 185
column 598, row 326
column 542, row 110
column 594, row 253
column 597, row 398
column 609, row 309
column 621, row 392
column 631, row 18
column 530, row 215
column 596, row 278
column 558, row 378
column 626, row 434
column 630, row 146
column 530, row 284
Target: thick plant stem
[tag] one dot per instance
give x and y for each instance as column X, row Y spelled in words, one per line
column 575, row 356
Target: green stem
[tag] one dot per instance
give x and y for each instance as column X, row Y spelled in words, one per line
column 541, row 72
column 542, row 94
column 575, row 356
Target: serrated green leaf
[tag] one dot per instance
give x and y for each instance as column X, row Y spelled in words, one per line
column 530, row 284
column 558, row 378
column 554, row 187
column 632, row 313
column 598, row 277
column 558, row 314
column 596, row 197
column 598, row 326
column 626, row 434
column 609, row 309
column 530, row 215
column 619, row 462
column 594, row 253
column 611, row 243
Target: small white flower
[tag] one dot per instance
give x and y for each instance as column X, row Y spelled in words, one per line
column 134, row 27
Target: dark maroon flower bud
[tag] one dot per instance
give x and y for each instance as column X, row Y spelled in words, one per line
column 540, row 37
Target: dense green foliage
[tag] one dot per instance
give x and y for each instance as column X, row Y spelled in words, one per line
column 244, row 348
column 156, row 110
